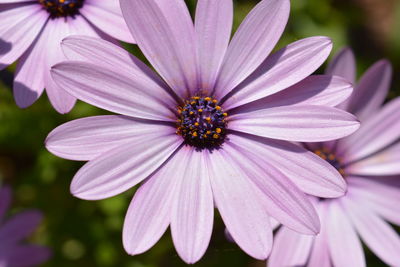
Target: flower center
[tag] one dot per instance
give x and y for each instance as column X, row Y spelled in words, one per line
column 332, row 159
column 202, row 123
column 62, row 8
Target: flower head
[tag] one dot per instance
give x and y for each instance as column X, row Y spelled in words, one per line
column 369, row 161
column 13, row 231
column 32, row 31
column 215, row 131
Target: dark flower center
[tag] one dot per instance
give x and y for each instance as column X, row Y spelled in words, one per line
column 332, row 159
column 62, row 8
column 202, row 123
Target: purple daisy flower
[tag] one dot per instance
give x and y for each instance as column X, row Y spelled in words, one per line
column 213, row 132
column 31, row 31
column 13, row 231
column 369, row 161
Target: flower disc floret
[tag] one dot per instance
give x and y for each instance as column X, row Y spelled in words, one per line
column 332, row 159
column 62, row 8
column 202, row 123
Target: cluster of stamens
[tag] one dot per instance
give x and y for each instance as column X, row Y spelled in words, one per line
column 62, row 8
column 332, row 159
column 202, row 123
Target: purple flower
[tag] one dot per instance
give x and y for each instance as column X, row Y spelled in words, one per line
column 215, row 131
column 369, row 161
column 13, row 253
column 31, row 31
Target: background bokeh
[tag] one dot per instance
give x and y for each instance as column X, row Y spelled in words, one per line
column 84, row 233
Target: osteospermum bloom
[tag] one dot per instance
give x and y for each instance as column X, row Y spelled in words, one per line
column 14, row 253
column 364, row 159
column 31, row 31
column 211, row 132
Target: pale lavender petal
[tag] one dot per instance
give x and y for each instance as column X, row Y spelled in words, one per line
column 321, row 90
column 106, row 54
column 107, row 16
column 252, row 43
column 53, row 34
column 213, row 27
column 306, row 123
column 30, row 73
column 343, row 64
column 193, row 215
column 281, row 70
column 130, row 164
column 382, row 198
column 27, row 256
column 238, row 201
column 13, row 1
column 379, row 236
column 382, row 163
column 344, row 245
column 5, row 200
column 19, row 226
column 131, row 95
column 379, row 131
column 320, row 256
column 290, row 248
column 165, row 33
column 149, row 213
column 308, row 171
column 87, row 138
column 19, row 26
column 281, row 198
column 371, row 90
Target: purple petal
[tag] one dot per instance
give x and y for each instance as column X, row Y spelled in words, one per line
column 308, row 171
column 19, row 226
column 321, row 90
column 379, row 236
column 238, row 201
column 379, row 131
column 382, row 163
column 149, row 213
column 5, row 200
column 383, row 199
column 372, row 90
column 107, row 16
column 344, row 244
column 165, row 33
column 193, row 215
column 290, row 248
column 298, row 123
column 27, row 255
column 320, row 256
column 108, row 55
column 213, row 30
column 88, row 138
column 281, row 198
column 20, row 25
column 343, row 65
column 125, row 166
column 131, row 95
column 252, row 43
column 281, row 70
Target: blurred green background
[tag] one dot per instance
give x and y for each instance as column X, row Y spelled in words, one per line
column 84, row 233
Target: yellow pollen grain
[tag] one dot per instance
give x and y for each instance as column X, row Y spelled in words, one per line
column 200, row 110
column 208, row 119
column 194, row 134
column 196, row 97
column 192, row 103
column 207, row 98
column 215, row 136
column 196, row 124
column 215, row 101
column 331, row 157
column 218, row 108
column 191, row 112
column 208, row 132
column 225, row 114
column 218, row 130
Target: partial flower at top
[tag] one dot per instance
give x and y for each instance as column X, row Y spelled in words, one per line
column 217, row 129
column 14, row 253
column 369, row 160
column 31, row 32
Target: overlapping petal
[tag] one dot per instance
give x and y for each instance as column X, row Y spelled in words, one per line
column 306, row 123
column 27, row 255
column 343, row 65
column 252, row 43
column 281, row 70
column 5, row 200
column 165, row 33
column 19, row 226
